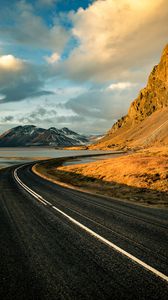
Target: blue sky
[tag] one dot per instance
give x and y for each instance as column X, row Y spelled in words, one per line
column 76, row 63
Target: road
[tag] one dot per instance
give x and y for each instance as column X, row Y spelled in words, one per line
column 58, row 243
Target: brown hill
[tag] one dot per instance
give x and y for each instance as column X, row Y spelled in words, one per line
column 151, row 131
column 147, row 120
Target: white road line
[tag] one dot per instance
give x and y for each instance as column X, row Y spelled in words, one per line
column 105, row 241
column 34, row 194
column 91, row 232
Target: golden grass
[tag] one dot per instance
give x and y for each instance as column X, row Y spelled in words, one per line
column 141, row 177
column 145, row 169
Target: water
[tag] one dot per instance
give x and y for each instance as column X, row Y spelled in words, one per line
column 93, row 158
column 13, row 156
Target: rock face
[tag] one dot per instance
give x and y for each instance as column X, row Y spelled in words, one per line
column 146, row 123
column 31, row 135
column 152, row 98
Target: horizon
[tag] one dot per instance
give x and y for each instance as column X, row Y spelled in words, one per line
column 74, row 63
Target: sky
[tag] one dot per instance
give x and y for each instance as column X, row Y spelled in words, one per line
column 76, row 64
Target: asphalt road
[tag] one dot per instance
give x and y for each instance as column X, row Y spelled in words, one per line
column 44, row 254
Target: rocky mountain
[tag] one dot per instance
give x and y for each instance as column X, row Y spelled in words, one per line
column 151, row 103
column 31, row 135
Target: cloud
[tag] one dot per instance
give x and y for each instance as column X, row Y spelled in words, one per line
column 30, row 29
column 81, row 109
column 116, row 38
column 11, row 63
column 21, row 80
column 2, row 97
column 91, row 111
column 120, row 85
column 96, row 110
column 7, row 119
column 101, row 104
column 111, row 47
column 38, row 115
column 55, row 57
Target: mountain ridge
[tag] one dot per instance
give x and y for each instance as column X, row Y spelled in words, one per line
column 30, row 135
column 151, row 102
column 151, row 98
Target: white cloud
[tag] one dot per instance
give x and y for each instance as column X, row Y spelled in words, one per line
column 55, row 57
column 117, row 38
column 120, row 86
column 11, row 63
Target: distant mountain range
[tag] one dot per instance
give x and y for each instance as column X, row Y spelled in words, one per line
column 30, row 135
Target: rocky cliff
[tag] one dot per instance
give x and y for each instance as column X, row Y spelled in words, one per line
column 147, row 120
column 150, row 99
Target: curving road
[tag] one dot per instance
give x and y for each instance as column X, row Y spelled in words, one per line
column 58, row 243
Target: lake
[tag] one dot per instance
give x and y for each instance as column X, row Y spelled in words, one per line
column 13, row 156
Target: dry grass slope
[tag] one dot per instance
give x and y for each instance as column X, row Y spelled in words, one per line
column 141, row 177
column 152, row 131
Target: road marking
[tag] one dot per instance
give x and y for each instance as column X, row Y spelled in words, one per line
column 34, row 194
column 90, row 231
column 107, row 242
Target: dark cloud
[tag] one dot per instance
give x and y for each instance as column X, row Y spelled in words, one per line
column 39, row 115
column 22, row 91
column 27, row 82
column 8, row 118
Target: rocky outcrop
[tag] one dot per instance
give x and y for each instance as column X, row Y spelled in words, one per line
column 150, row 99
column 146, row 123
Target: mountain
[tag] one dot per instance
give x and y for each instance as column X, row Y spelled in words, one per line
column 147, row 120
column 95, row 137
column 31, row 135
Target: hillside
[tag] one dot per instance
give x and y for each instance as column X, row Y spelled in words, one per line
column 150, row 132
column 31, row 135
column 146, row 122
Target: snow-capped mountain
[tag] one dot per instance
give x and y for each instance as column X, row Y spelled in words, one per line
column 30, row 135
